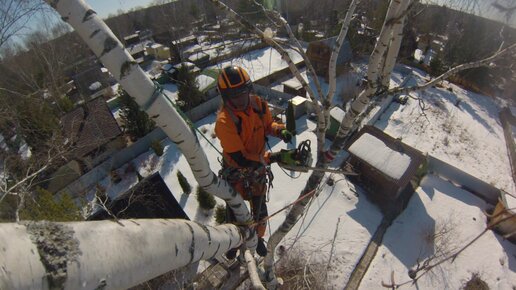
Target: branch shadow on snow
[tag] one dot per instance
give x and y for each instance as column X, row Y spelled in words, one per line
column 169, row 158
column 510, row 250
column 409, row 236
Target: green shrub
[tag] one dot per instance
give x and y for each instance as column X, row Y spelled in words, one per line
column 206, row 200
column 220, row 214
column 185, row 186
column 157, row 147
column 45, row 206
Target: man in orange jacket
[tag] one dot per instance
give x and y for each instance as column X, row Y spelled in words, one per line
column 243, row 124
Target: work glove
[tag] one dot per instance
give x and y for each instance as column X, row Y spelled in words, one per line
column 287, row 157
column 286, row 136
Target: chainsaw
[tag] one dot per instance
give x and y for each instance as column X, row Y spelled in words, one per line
column 304, row 157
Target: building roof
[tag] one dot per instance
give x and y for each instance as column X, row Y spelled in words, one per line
column 150, row 198
column 375, row 152
column 345, row 53
column 89, row 126
column 394, row 159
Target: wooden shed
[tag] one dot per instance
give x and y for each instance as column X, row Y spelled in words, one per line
column 386, row 165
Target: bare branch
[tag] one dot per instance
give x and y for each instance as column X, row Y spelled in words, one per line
column 474, row 64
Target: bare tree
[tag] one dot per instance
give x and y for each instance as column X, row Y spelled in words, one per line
column 15, row 16
column 381, row 64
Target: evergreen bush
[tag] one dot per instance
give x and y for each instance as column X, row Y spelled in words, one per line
column 136, row 122
column 291, row 119
column 46, row 206
column 220, row 214
column 185, row 186
column 188, row 93
column 206, row 200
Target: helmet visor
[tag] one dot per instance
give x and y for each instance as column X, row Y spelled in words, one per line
column 240, row 102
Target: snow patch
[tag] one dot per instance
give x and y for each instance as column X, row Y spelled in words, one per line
column 375, row 152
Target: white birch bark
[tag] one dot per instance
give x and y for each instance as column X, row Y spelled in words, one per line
column 322, row 120
column 104, row 254
column 253, row 271
column 133, row 79
column 394, row 47
column 373, row 76
column 332, row 68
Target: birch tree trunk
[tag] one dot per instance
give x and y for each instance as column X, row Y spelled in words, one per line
column 133, row 79
column 104, row 254
column 397, row 10
column 316, row 177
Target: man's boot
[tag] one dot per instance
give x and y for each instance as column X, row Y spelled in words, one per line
column 261, row 248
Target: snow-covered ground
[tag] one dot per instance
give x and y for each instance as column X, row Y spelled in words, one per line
column 439, row 220
column 340, row 221
column 459, row 127
column 262, row 62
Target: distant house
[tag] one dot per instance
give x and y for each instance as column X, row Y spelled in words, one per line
column 150, row 198
column 386, row 165
column 86, row 78
column 93, row 132
column 319, row 53
column 92, row 136
column 179, row 45
column 135, row 44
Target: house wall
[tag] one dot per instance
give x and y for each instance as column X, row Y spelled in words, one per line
column 470, row 183
column 109, row 149
column 272, row 78
column 64, row 175
column 380, row 188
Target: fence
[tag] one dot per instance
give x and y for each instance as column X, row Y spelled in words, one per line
column 470, row 183
column 120, row 158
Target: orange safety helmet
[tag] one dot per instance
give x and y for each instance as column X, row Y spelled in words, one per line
column 233, row 81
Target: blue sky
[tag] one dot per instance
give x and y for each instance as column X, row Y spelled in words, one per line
column 105, row 7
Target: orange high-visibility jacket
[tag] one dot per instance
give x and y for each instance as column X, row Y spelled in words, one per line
column 251, row 140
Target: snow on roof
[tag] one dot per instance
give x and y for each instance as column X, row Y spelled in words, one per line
column 418, row 54
column 204, row 81
column 95, row 86
column 293, row 83
column 261, row 62
column 337, row 113
column 375, row 152
column 297, row 100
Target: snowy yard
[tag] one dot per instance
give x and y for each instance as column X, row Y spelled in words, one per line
column 458, row 127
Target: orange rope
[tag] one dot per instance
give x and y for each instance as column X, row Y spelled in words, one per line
column 284, row 208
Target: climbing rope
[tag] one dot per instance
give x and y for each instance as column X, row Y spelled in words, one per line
column 310, row 193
